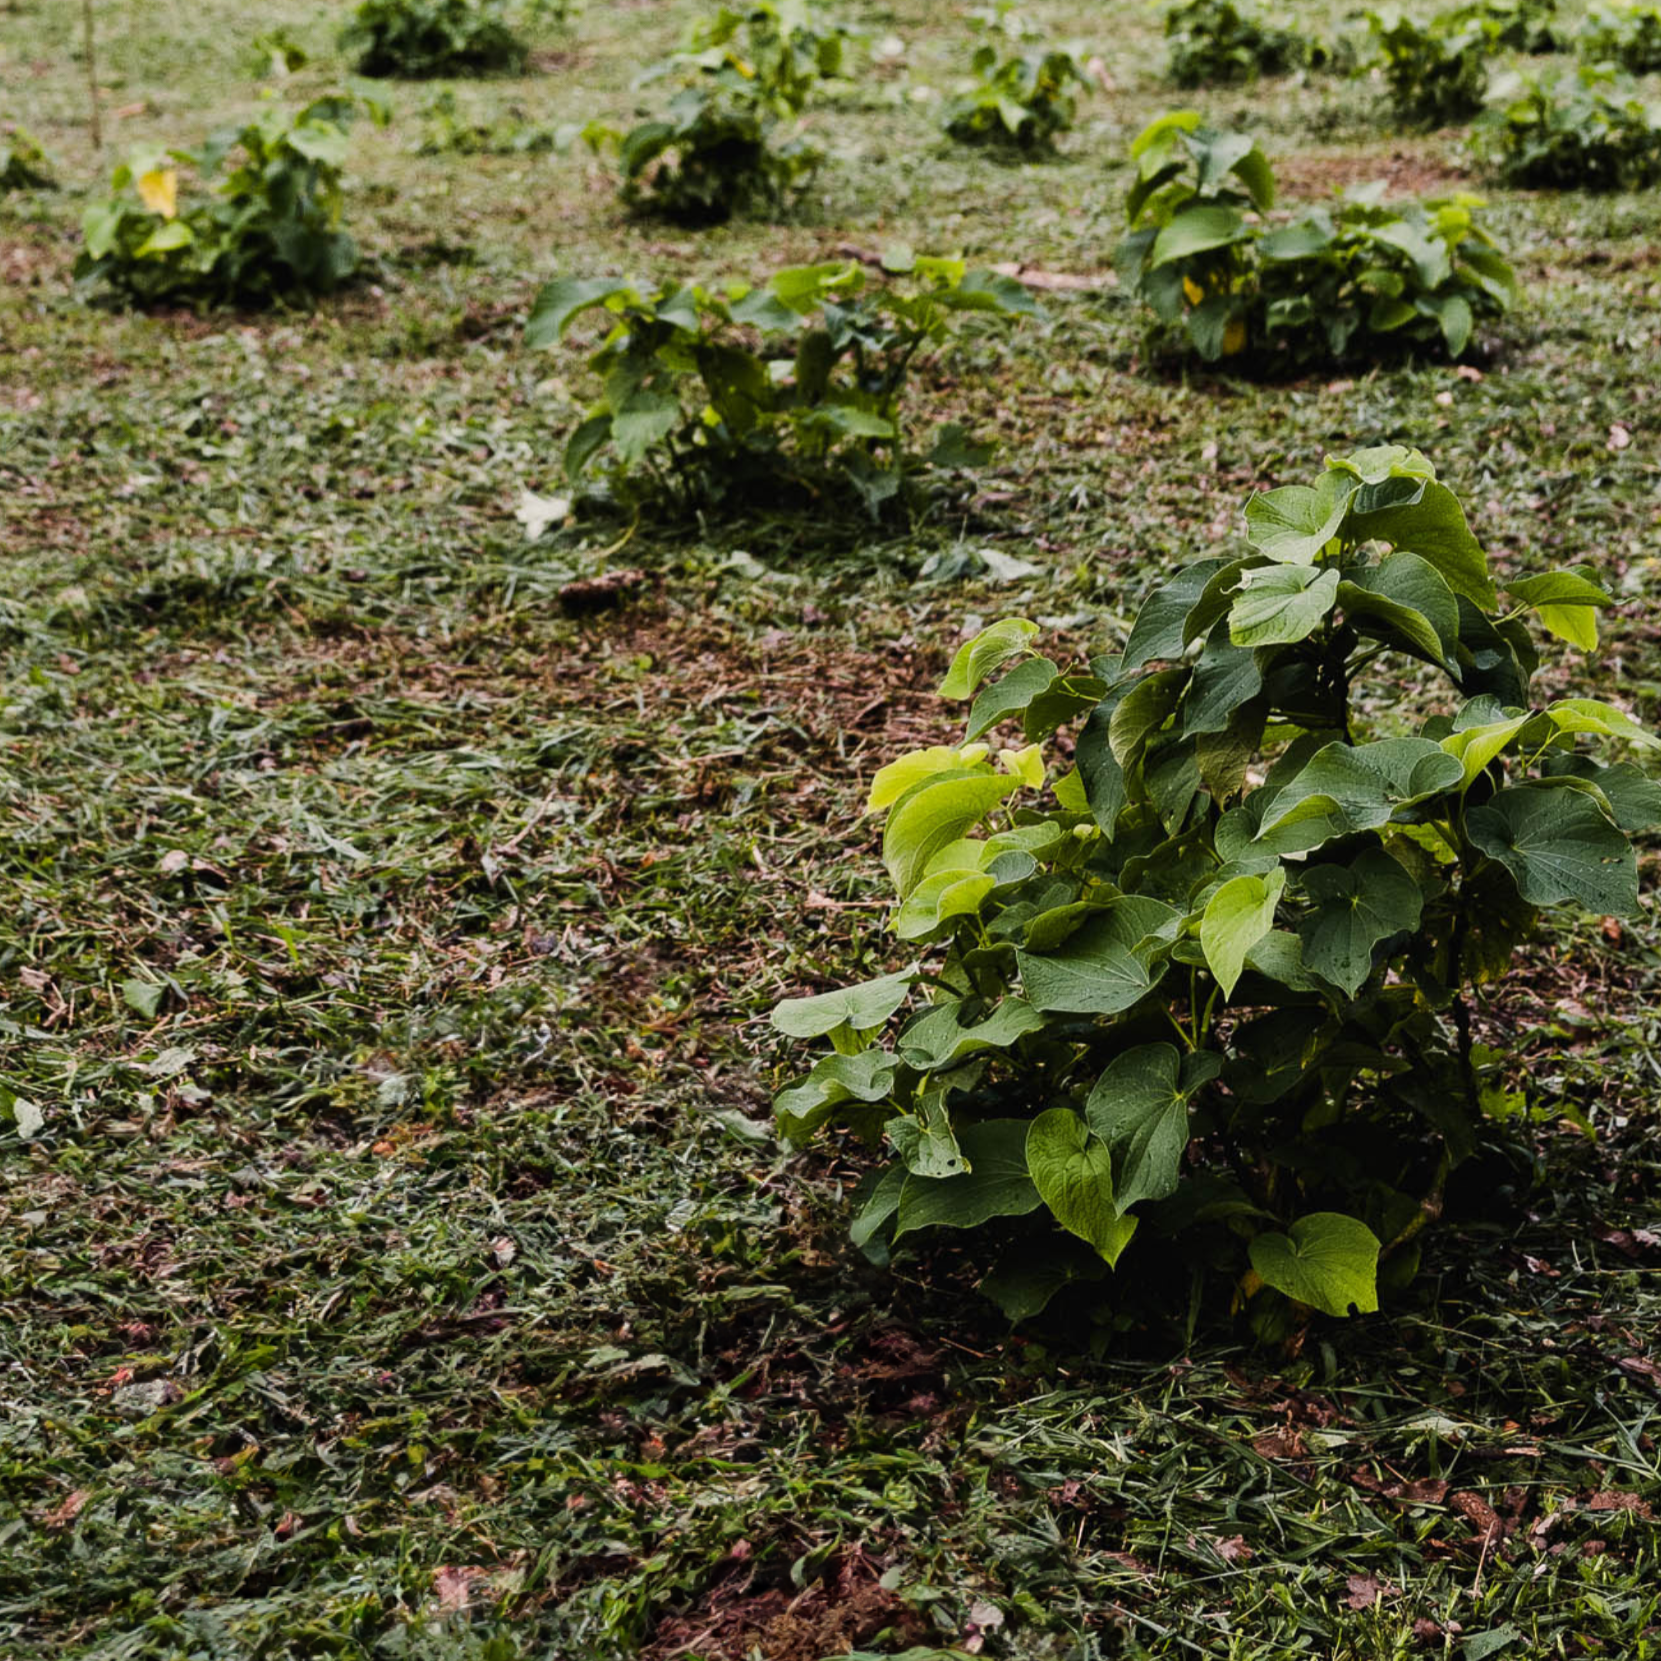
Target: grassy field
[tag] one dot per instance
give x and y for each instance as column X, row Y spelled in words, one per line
column 403, row 1264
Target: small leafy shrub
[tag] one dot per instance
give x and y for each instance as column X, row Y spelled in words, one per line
column 717, row 152
column 1019, row 102
column 799, row 382
column 1515, row 25
column 275, row 55
column 23, row 163
column 448, row 132
column 1436, row 76
column 1627, row 36
column 269, row 229
column 1360, row 279
column 1203, row 993
column 1216, row 43
column 415, row 39
column 1589, row 130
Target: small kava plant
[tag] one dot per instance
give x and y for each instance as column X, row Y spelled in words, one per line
column 1360, row 279
column 1217, row 43
column 1201, row 998
column 416, row 39
column 797, row 385
column 723, row 147
column 1020, row 102
column 23, row 163
column 1588, row 130
column 269, row 229
column 1436, row 73
column 1629, row 37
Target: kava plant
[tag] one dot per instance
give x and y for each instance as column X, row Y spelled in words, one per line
column 1204, row 993
column 1627, row 36
column 269, row 229
column 1020, row 102
column 718, row 151
column 800, row 381
column 1588, row 130
column 1436, row 73
column 1217, row 43
column 23, row 163
column 417, row 39
column 1359, row 279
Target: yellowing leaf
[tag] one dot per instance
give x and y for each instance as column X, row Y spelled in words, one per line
column 1234, row 337
column 1027, row 765
column 1576, row 624
column 1193, row 290
column 158, row 190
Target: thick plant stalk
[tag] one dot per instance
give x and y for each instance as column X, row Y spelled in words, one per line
column 92, row 77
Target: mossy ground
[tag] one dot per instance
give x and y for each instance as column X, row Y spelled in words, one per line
column 403, row 1263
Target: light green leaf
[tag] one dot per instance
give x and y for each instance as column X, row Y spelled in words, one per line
column 558, row 302
column 1073, row 1173
column 993, row 647
column 1558, row 847
column 933, row 813
column 924, row 1140
column 1356, row 906
column 1236, row 917
column 1281, row 604
column 1567, row 603
column 1293, row 524
column 936, row 1039
column 1328, row 1261
column 1476, row 747
column 1593, row 715
column 1195, row 230
column 865, row 1077
column 861, row 1008
column 939, row 897
column 996, row 1183
column 899, row 776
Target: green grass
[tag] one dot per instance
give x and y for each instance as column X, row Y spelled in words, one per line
column 403, row 1260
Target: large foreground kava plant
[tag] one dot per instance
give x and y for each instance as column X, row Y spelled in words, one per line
column 1201, row 1001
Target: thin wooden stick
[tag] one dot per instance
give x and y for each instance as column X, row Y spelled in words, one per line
column 92, row 78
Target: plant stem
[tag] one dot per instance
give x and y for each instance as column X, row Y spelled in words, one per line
column 92, row 77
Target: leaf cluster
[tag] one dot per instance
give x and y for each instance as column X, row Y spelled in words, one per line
column 800, row 381
column 1359, row 279
column 23, row 163
column 1018, row 102
column 1219, row 43
column 418, row 39
column 1203, row 992
column 721, row 148
column 1512, row 25
column 1589, row 129
column 269, row 228
column 1436, row 73
column 448, row 131
column 1627, row 36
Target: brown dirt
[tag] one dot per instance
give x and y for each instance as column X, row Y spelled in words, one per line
column 1406, row 172
column 734, row 1620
